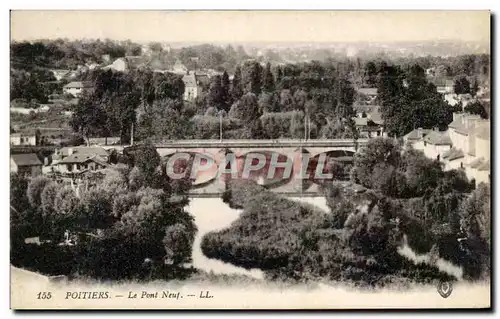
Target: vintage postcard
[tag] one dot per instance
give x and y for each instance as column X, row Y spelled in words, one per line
column 250, row 160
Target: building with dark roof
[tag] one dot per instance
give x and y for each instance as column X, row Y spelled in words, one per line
column 25, row 164
column 81, row 150
column 78, row 163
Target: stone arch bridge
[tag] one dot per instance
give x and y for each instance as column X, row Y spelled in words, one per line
column 209, row 184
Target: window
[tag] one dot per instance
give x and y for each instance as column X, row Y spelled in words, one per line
column 461, row 165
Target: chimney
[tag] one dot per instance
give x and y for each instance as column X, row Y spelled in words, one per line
column 70, row 151
column 456, row 115
column 419, row 132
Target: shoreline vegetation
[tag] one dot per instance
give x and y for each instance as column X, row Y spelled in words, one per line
column 411, row 204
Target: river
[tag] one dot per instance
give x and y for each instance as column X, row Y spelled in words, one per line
column 213, row 214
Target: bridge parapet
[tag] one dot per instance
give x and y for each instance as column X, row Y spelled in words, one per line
column 177, row 144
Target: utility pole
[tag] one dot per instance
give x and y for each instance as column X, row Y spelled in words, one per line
column 220, row 125
column 308, row 128
column 305, row 127
column 132, row 135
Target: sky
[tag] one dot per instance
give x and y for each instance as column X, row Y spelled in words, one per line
column 253, row 26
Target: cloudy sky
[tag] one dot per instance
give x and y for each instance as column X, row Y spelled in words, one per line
column 253, row 26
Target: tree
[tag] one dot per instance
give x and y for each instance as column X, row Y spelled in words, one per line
column 98, row 208
column 35, row 190
column 370, row 76
column 246, row 109
column 268, row 82
column 268, row 102
column 164, row 119
column 345, row 97
column 18, row 192
column 88, row 118
column 48, row 197
column 475, row 224
column 476, row 107
column 377, row 151
column 461, row 85
column 147, row 160
column 237, row 87
column 252, row 77
column 178, row 241
column 215, row 93
column 409, row 101
column 422, row 173
column 226, row 94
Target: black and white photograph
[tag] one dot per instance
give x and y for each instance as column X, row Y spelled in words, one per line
column 259, row 160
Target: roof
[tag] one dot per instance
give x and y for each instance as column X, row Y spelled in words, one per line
column 189, row 80
column 365, row 108
column 368, row 91
column 134, row 61
column 202, row 77
column 82, row 158
column 459, row 122
column 376, row 117
column 83, row 150
column 79, row 85
column 23, row 134
column 459, row 126
column 453, row 154
column 483, row 130
column 414, row 135
column 360, row 121
column 438, row 138
column 484, row 167
column 476, row 163
column 27, row 159
column 60, row 71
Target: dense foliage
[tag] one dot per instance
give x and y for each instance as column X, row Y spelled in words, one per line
column 290, row 240
column 128, row 225
column 410, row 101
column 411, row 201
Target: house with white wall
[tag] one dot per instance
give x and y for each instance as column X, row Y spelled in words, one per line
column 465, row 145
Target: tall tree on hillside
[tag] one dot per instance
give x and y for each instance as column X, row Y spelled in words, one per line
column 268, row 85
column 409, row 101
column 246, row 109
column 279, row 77
column 147, row 159
column 215, row 96
column 370, row 76
column 226, row 94
column 88, row 118
column 345, row 97
column 477, row 108
column 237, row 87
column 252, row 77
column 461, row 85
